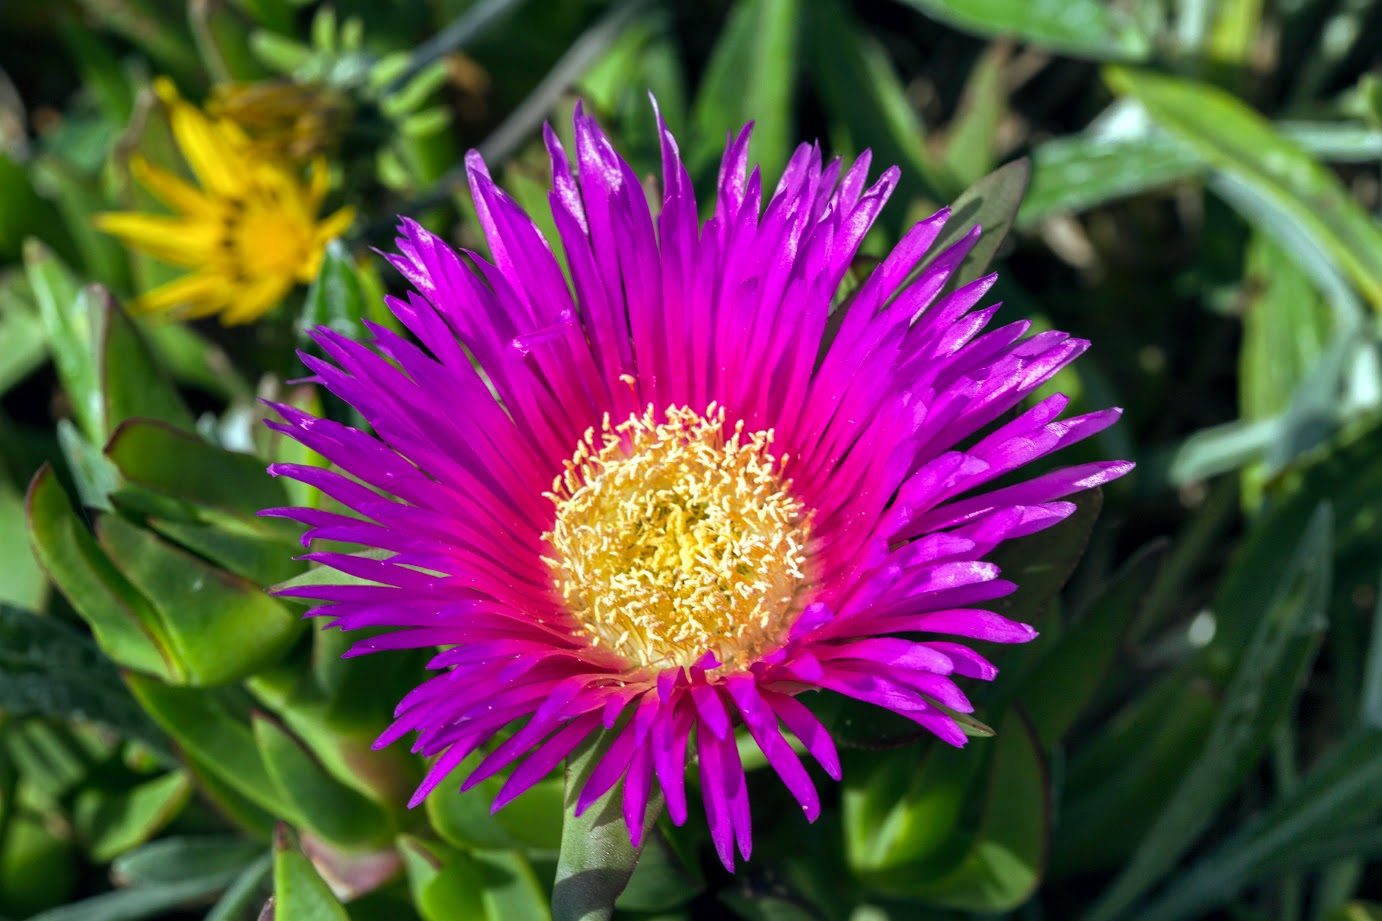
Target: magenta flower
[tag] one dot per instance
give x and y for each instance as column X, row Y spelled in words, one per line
column 663, row 494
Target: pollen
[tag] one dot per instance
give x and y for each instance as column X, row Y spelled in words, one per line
column 675, row 538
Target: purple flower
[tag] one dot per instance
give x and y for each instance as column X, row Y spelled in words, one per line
column 662, row 498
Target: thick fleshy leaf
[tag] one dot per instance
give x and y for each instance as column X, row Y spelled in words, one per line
column 183, row 466
column 1007, row 855
column 300, row 894
column 169, row 860
column 245, row 893
column 204, row 726
column 596, row 857
column 133, row 382
column 71, row 337
column 1083, row 28
column 1270, row 671
column 38, row 871
column 111, row 822
column 22, row 331
column 257, row 559
column 464, row 819
column 445, row 883
column 161, row 877
column 24, row 584
column 903, row 809
column 125, row 623
column 337, row 813
column 663, row 879
column 220, row 627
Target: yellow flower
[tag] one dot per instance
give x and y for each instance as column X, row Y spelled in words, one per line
column 248, row 233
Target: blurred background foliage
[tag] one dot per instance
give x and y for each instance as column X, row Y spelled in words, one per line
column 1198, row 732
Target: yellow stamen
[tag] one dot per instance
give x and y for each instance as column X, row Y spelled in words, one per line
column 673, row 539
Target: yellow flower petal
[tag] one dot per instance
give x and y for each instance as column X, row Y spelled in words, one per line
column 252, row 302
column 197, row 294
column 169, row 189
column 173, row 239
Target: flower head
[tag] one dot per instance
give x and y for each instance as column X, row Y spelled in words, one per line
column 248, row 233
column 665, row 505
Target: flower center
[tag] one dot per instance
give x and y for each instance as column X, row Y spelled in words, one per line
column 673, row 539
column 267, row 238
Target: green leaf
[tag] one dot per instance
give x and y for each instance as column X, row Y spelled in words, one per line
column 299, row 892
column 1358, row 911
column 24, row 584
column 245, row 894
column 1271, row 667
column 327, row 575
column 339, row 814
column 196, row 360
column 1063, row 682
column 337, row 298
column 749, row 77
column 218, row 741
column 597, row 857
column 110, row 822
column 864, row 96
column 220, row 627
column 903, row 810
column 125, row 624
column 445, row 883
column 52, row 759
column 22, row 331
column 511, row 888
column 1370, row 707
column 92, row 472
column 71, row 335
column 263, row 562
column 211, row 857
column 972, row 137
column 663, row 879
column 1341, row 792
column 1003, row 866
column 1078, row 172
column 182, row 465
column 1042, row 563
column 49, row 669
column 1240, row 142
column 162, row 877
column 132, row 381
column 464, row 819
column 1285, row 330
column 163, row 38
column 37, row 869
column 991, row 203
column 1116, row 783
column 1082, row 28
